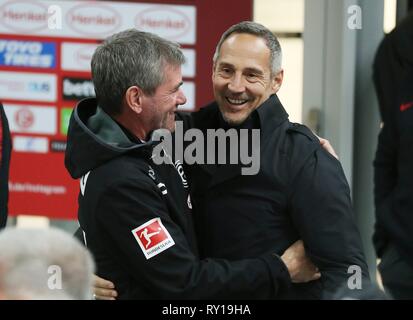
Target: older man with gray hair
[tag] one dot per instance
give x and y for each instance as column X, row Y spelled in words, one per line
column 43, row 264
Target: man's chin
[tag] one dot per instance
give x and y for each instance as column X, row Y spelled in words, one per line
column 234, row 119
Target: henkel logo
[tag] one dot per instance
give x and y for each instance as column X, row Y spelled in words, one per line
column 153, row 238
column 93, row 19
column 77, row 89
column 165, row 21
column 24, row 16
column 24, row 118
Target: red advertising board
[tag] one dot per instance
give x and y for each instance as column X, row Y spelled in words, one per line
column 45, row 52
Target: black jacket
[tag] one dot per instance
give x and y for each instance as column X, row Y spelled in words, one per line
column 121, row 191
column 394, row 56
column 4, row 166
column 300, row 192
column 393, row 169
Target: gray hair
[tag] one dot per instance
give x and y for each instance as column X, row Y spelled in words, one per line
column 258, row 30
column 130, row 58
column 30, row 259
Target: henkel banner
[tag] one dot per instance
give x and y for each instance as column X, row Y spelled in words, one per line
column 46, row 49
column 97, row 20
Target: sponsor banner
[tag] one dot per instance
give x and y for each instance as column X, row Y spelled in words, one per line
column 189, row 90
column 58, row 146
column 77, row 56
column 29, row 119
column 65, row 114
column 171, row 22
column 188, row 69
column 77, row 88
column 28, row 86
column 30, row 144
column 35, row 54
column 96, row 20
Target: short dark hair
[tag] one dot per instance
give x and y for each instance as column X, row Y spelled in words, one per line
column 260, row 31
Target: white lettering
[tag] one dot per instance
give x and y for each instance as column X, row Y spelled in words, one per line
column 354, row 281
column 355, row 19
column 55, row 17
column 55, row 280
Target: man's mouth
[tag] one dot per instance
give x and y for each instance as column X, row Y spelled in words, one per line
column 236, row 102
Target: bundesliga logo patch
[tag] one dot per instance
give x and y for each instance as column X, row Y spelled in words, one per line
column 153, row 238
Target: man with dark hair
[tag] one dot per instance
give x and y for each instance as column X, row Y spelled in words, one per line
column 135, row 214
column 300, row 191
column 5, row 151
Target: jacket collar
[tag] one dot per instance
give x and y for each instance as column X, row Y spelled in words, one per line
column 270, row 115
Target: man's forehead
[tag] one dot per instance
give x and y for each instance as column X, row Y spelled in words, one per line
column 248, row 49
column 244, row 45
column 245, row 38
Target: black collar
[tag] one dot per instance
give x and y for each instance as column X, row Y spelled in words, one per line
column 270, row 115
column 266, row 117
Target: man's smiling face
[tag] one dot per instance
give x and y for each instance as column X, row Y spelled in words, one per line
column 242, row 78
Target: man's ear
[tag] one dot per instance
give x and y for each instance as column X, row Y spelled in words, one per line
column 134, row 98
column 277, row 81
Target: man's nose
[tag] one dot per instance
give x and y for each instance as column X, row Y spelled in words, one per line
column 181, row 98
column 236, row 84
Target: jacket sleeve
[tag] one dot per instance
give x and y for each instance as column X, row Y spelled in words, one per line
column 385, row 163
column 385, row 180
column 321, row 211
column 387, row 71
column 387, row 74
column 176, row 273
